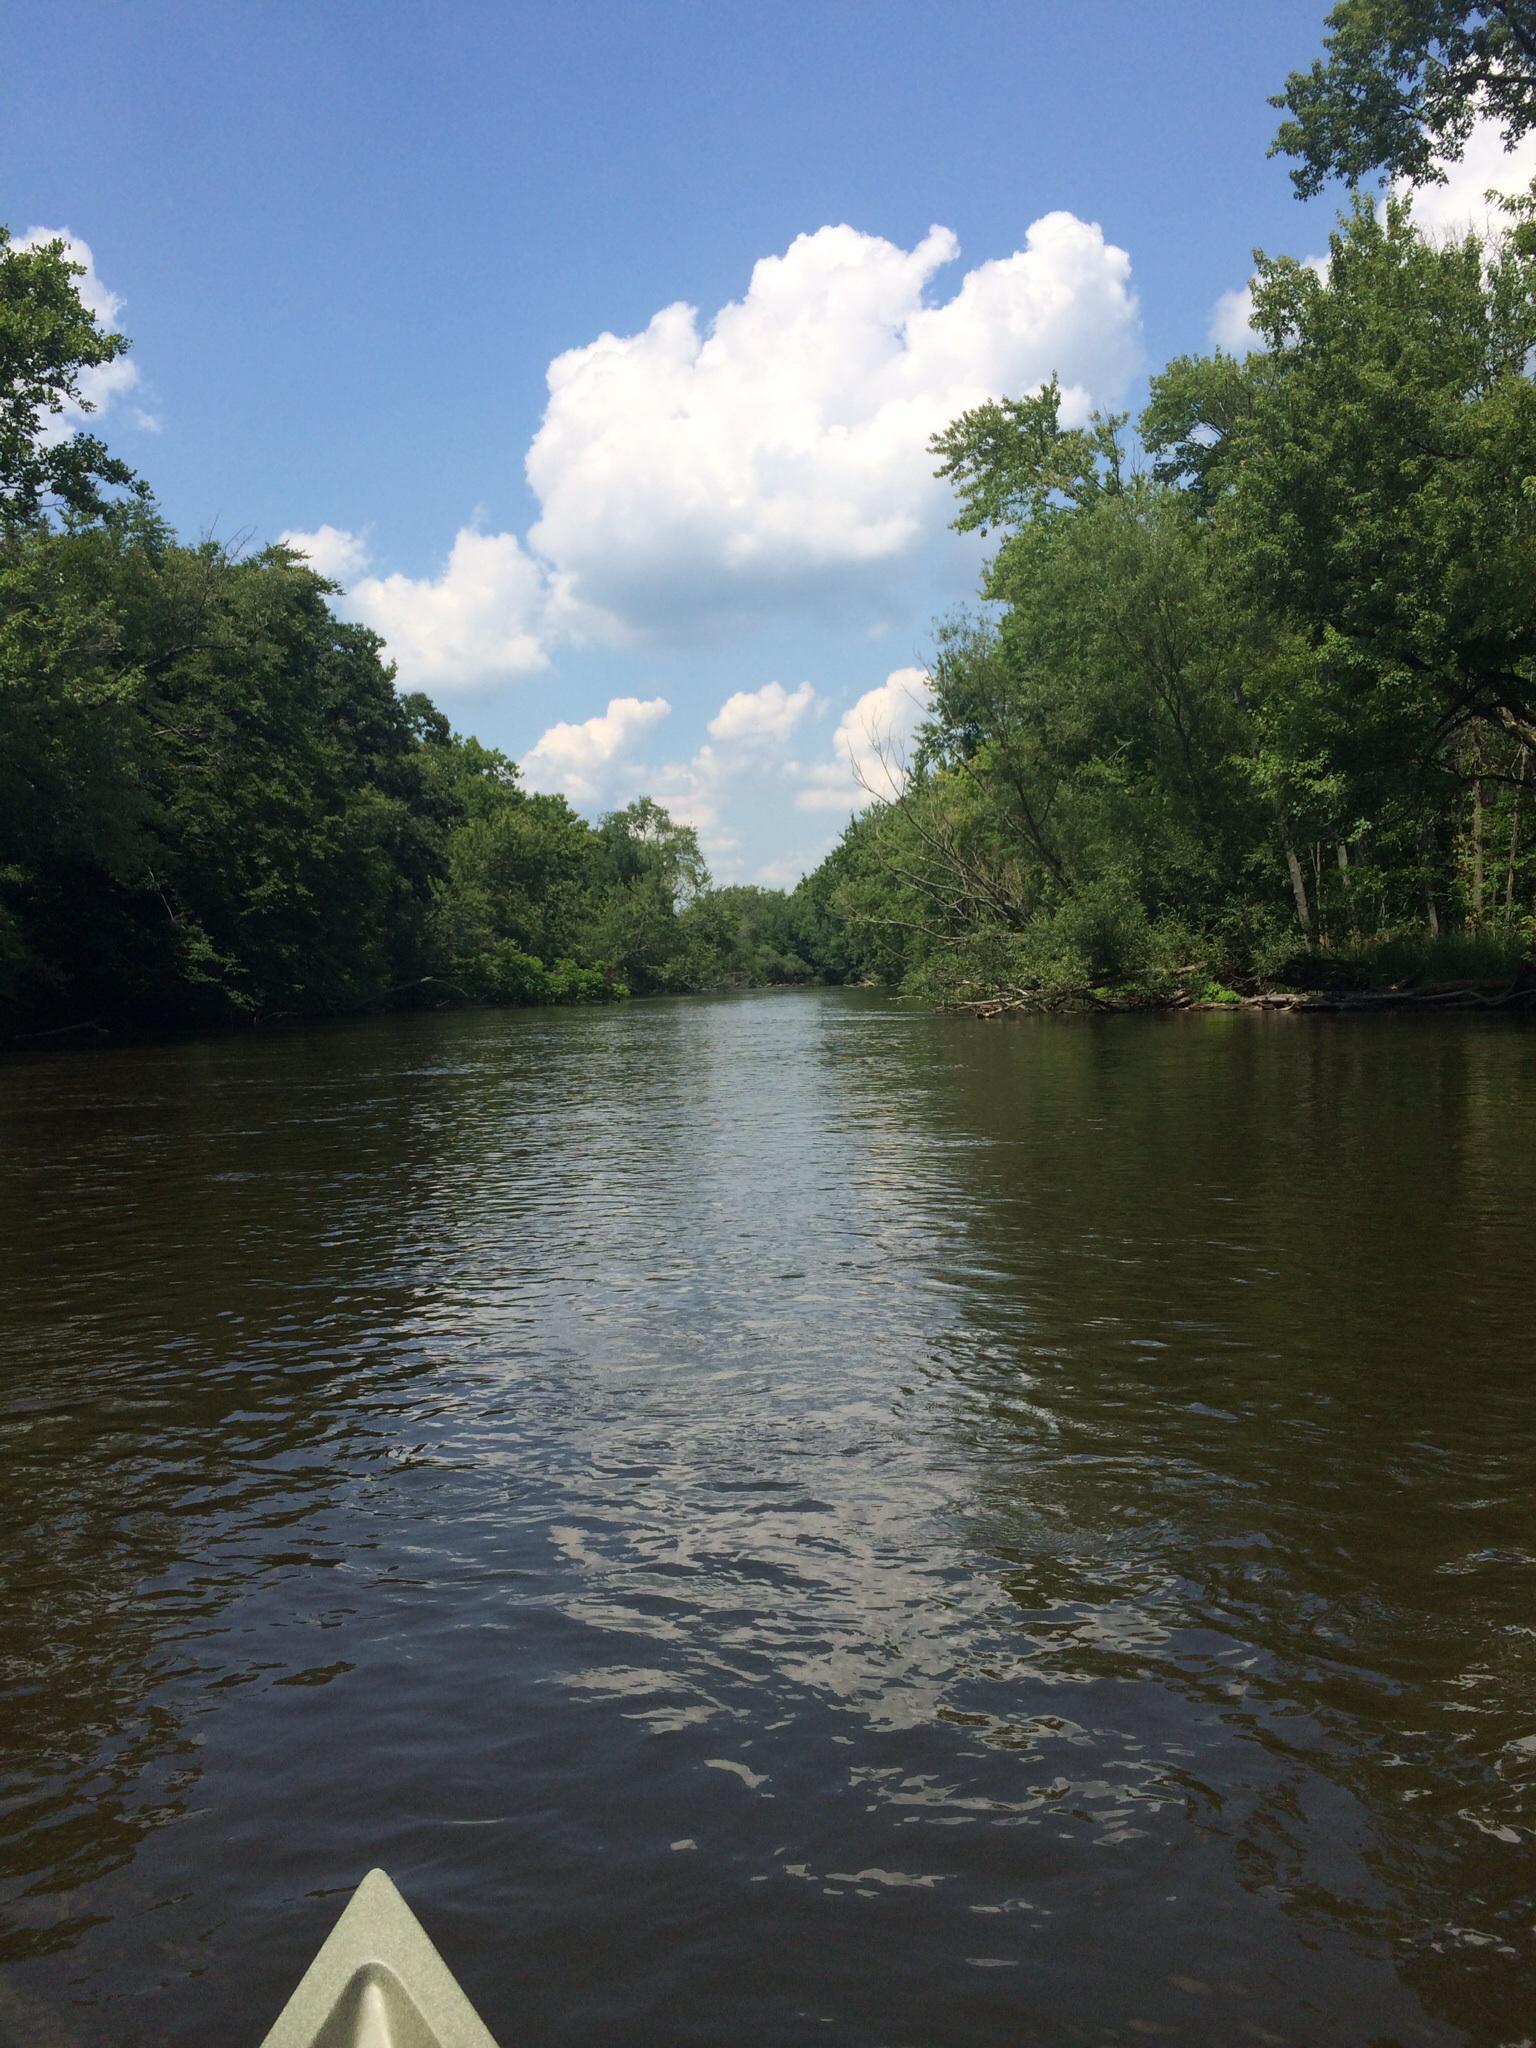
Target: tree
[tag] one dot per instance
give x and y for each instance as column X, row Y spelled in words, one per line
column 646, row 870
column 1371, row 489
column 48, row 340
column 76, row 811
column 211, row 801
column 1011, row 459
column 1262, row 707
column 746, row 936
column 1096, row 719
column 509, row 916
column 1376, row 488
column 1401, row 86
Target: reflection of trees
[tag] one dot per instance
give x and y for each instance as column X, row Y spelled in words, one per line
column 1244, row 1367
column 209, row 1295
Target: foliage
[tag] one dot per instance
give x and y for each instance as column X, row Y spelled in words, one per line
column 211, row 801
column 1401, row 85
column 1011, row 459
column 1379, row 481
column 214, row 805
column 48, row 339
column 1262, row 705
column 1266, row 703
column 755, row 937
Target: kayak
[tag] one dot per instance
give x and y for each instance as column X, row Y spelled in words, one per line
column 378, row 1983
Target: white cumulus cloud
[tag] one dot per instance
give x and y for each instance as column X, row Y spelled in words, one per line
column 585, row 760
column 598, row 762
column 870, row 748
column 1232, row 321
column 331, row 551
column 477, row 624
column 770, row 713
column 775, row 455
column 1462, row 201
column 787, row 869
column 713, row 467
column 750, row 727
column 692, row 792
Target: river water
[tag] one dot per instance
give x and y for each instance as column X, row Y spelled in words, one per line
column 776, row 1519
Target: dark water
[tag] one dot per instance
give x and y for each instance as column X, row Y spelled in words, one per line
column 777, row 1519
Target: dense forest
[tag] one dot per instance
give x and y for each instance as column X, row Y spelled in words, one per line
column 1252, row 695
column 214, row 805
column 1259, row 703
column 1249, row 696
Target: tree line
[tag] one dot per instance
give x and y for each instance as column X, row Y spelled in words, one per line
column 1250, row 697
column 1256, row 701
column 214, row 804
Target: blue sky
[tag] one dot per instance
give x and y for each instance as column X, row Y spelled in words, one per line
column 351, row 240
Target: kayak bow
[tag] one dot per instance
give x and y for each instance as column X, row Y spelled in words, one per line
column 378, row 1983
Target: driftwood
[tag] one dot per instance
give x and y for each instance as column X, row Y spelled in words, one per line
column 1455, row 996
column 61, row 1031
column 1519, row 995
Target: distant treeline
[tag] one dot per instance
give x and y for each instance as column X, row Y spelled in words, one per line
column 214, row 805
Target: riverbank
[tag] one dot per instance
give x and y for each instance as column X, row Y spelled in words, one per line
column 106, row 1030
column 1517, row 998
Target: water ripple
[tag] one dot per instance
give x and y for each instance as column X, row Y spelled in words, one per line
column 776, row 1513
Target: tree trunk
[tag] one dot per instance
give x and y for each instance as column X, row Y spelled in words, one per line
column 1514, row 843
column 1477, row 851
column 1431, row 909
column 1298, row 877
column 1351, row 902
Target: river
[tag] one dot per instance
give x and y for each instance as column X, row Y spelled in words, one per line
column 776, row 1518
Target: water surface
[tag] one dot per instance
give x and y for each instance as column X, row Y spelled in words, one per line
column 776, row 1518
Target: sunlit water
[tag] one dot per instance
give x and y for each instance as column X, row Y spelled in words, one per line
column 776, row 1519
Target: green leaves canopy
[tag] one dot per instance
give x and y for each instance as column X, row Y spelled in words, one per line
column 1402, row 83
column 48, row 339
column 1271, row 697
column 215, row 805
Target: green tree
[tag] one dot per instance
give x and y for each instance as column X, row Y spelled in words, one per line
column 1096, row 720
column 1401, row 84
column 647, row 870
column 48, row 339
column 1011, row 460
column 746, row 936
column 1377, row 482
column 76, row 807
column 1370, row 488
column 1268, row 704
column 509, row 914
column 217, row 806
